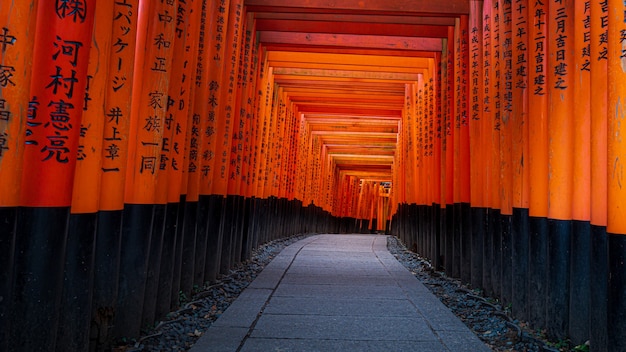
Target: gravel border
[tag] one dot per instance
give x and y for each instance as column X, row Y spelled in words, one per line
column 180, row 330
column 486, row 317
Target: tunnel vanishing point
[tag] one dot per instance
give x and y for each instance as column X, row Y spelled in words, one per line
column 147, row 146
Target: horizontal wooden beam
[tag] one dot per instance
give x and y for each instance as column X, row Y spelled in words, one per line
column 353, row 51
column 283, row 67
column 429, row 7
column 393, row 76
column 352, row 40
column 343, row 17
column 376, row 61
column 363, row 28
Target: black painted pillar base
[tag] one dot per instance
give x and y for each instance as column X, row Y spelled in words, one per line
column 168, row 258
column 495, row 228
column 488, row 256
column 73, row 333
column 557, row 312
column 457, row 222
column 203, row 224
column 226, row 231
column 448, row 220
column 617, row 292
column 213, row 246
column 105, row 278
column 153, row 271
column 136, row 235
column 178, row 253
column 507, row 259
column 520, row 254
column 188, row 250
column 38, row 277
column 599, row 287
column 466, row 243
column 437, row 261
column 538, row 272
column 478, row 231
column 8, row 222
column 580, row 278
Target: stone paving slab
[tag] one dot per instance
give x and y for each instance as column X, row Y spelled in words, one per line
column 340, row 306
column 308, row 345
column 338, row 293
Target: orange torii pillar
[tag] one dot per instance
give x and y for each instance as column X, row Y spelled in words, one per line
column 225, row 120
column 448, row 148
column 580, row 251
column 494, row 238
column 486, row 127
column 46, row 164
column 506, row 144
column 477, row 169
column 521, row 56
column 179, row 113
column 153, row 64
column 17, row 28
column 616, row 221
column 560, row 78
column 110, row 87
column 74, row 325
column 598, row 178
column 538, row 162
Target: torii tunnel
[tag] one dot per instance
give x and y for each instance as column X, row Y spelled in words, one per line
column 146, row 147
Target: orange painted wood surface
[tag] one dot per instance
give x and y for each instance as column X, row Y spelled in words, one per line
column 86, row 191
column 599, row 113
column 117, row 105
column 60, row 61
column 17, row 31
column 616, row 114
column 581, row 139
column 560, row 79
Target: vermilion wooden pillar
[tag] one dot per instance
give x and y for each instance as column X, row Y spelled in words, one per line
column 17, row 29
column 616, row 221
column 598, row 177
column 560, row 77
column 496, row 92
column 476, row 146
column 522, row 54
column 114, row 137
column 506, row 147
column 74, row 325
column 581, row 183
column 486, row 127
column 538, row 161
column 60, row 60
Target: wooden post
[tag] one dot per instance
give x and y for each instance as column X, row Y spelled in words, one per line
column 616, row 221
column 538, row 161
column 599, row 175
column 17, row 31
column 522, row 54
column 60, row 60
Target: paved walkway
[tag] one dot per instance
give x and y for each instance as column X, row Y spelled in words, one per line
column 337, row 293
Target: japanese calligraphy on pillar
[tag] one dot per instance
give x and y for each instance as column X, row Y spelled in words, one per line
column 86, row 192
column 17, row 27
column 150, row 99
column 496, row 61
column 507, row 58
column 227, row 112
column 211, row 133
column 172, row 158
column 539, row 50
column 561, row 34
column 520, row 33
column 61, row 57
